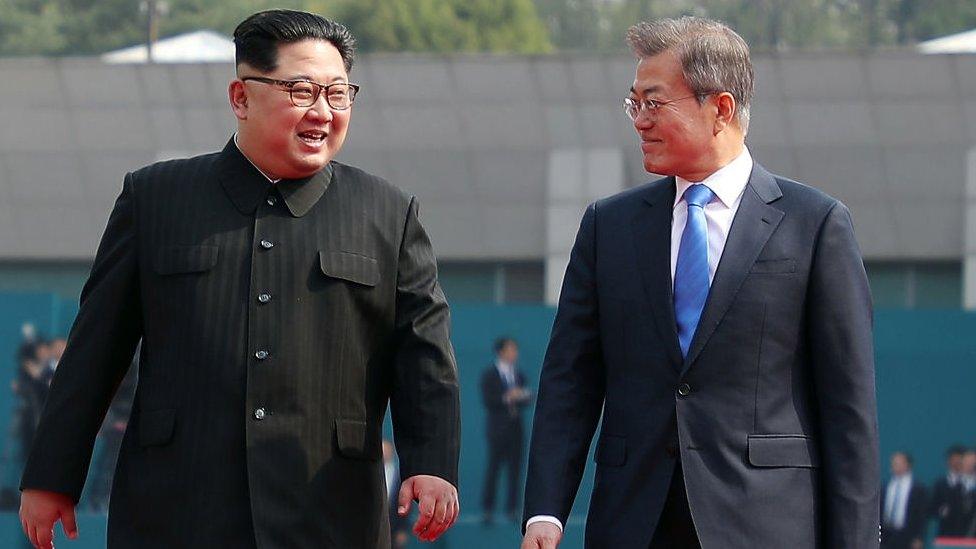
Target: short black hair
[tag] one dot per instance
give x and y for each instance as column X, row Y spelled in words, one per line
column 955, row 450
column 908, row 457
column 502, row 342
column 257, row 38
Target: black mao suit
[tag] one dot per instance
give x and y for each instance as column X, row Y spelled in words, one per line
column 277, row 322
column 772, row 413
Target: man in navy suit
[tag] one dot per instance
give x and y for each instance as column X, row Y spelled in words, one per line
column 904, row 507
column 720, row 321
column 505, row 396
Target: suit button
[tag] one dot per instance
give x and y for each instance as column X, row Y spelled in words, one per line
column 259, row 414
column 684, row 389
column 267, row 244
column 264, row 298
column 272, row 201
column 261, row 355
column 672, row 450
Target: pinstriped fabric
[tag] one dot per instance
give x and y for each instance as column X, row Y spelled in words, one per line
column 278, row 322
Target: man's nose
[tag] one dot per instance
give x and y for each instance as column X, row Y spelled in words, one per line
column 321, row 109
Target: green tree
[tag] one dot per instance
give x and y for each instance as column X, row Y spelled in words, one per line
column 445, row 25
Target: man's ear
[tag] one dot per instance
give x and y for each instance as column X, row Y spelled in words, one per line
column 237, row 94
column 726, row 108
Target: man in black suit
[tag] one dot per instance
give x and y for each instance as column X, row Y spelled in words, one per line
column 948, row 505
column 719, row 320
column 904, row 507
column 504, row 394
column 284, row 299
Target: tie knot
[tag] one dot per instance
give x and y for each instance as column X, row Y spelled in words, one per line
column 698, row 195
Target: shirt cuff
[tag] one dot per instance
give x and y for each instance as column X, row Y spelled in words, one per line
column 544, row 518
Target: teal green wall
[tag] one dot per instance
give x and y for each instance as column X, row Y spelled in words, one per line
column 926, row 377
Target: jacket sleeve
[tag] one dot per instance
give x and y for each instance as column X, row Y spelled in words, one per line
column 839, row 324
column 571, row 388
column 97, row 356
column 424, row 404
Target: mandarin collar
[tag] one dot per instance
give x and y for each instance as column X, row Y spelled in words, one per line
column 246, row 186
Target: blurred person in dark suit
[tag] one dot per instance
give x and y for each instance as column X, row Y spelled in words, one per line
column 284, row 301
column 719, row 321
column 904, row 507
column 113, row 429
column 31, row 385
column 505, row 396
column 948, row 505
column 969, row 492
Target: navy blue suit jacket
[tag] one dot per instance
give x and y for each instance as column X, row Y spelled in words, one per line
column 772, row 413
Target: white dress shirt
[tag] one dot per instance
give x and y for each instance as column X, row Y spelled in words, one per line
column 728, row 184
column 506, row 371
column 896, row 501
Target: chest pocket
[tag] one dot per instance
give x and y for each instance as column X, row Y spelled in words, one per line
column 172, row 260
column 349, row 266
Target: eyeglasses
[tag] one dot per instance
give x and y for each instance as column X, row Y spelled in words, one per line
column 304, row 93
column 634, row 107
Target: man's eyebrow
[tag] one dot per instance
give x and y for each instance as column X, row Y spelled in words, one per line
column 303, row 76
column 647, row 90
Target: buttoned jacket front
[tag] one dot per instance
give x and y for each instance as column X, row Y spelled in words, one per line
column 278, row 321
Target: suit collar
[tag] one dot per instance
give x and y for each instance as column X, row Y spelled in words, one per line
column 754, row 223
column 727, row 182
column 246, row 186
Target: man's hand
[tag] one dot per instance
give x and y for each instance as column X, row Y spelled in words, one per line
column 438, row 503
column 542, row 535
column 39, row 510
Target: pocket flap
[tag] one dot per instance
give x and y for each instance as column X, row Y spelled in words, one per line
column 351, row 436
column 156, row 427
column 350, row 266
column 611, row 450
column 783, row 451
column 185, row 259
column 774, row 266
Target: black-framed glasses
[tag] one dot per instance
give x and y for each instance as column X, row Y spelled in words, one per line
column 304, row 93
column 634, row 107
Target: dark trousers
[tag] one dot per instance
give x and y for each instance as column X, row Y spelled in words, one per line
column 503, row 453
column 675, row 529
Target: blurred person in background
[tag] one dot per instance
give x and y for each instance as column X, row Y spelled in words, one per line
column 904, row 507
column 505, row 396
column 719, row 321
column 399, row 524
column 58, row 345
column 948, row 505
column 284, row 300
column 31, row 386
column 110, row 435
column 969, row 492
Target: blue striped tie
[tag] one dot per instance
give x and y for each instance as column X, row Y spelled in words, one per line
column 691, row 271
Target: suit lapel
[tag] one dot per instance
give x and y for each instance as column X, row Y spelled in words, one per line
column 752, row 226
column 652, row 243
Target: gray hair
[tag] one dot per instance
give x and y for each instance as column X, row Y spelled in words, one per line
column 713, row 57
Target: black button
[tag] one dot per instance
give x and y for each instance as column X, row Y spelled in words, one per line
column 264, row 298
column 272, row 201
column 267, row 244
column 261, row 355
column 684, row 389
column 672, row 450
